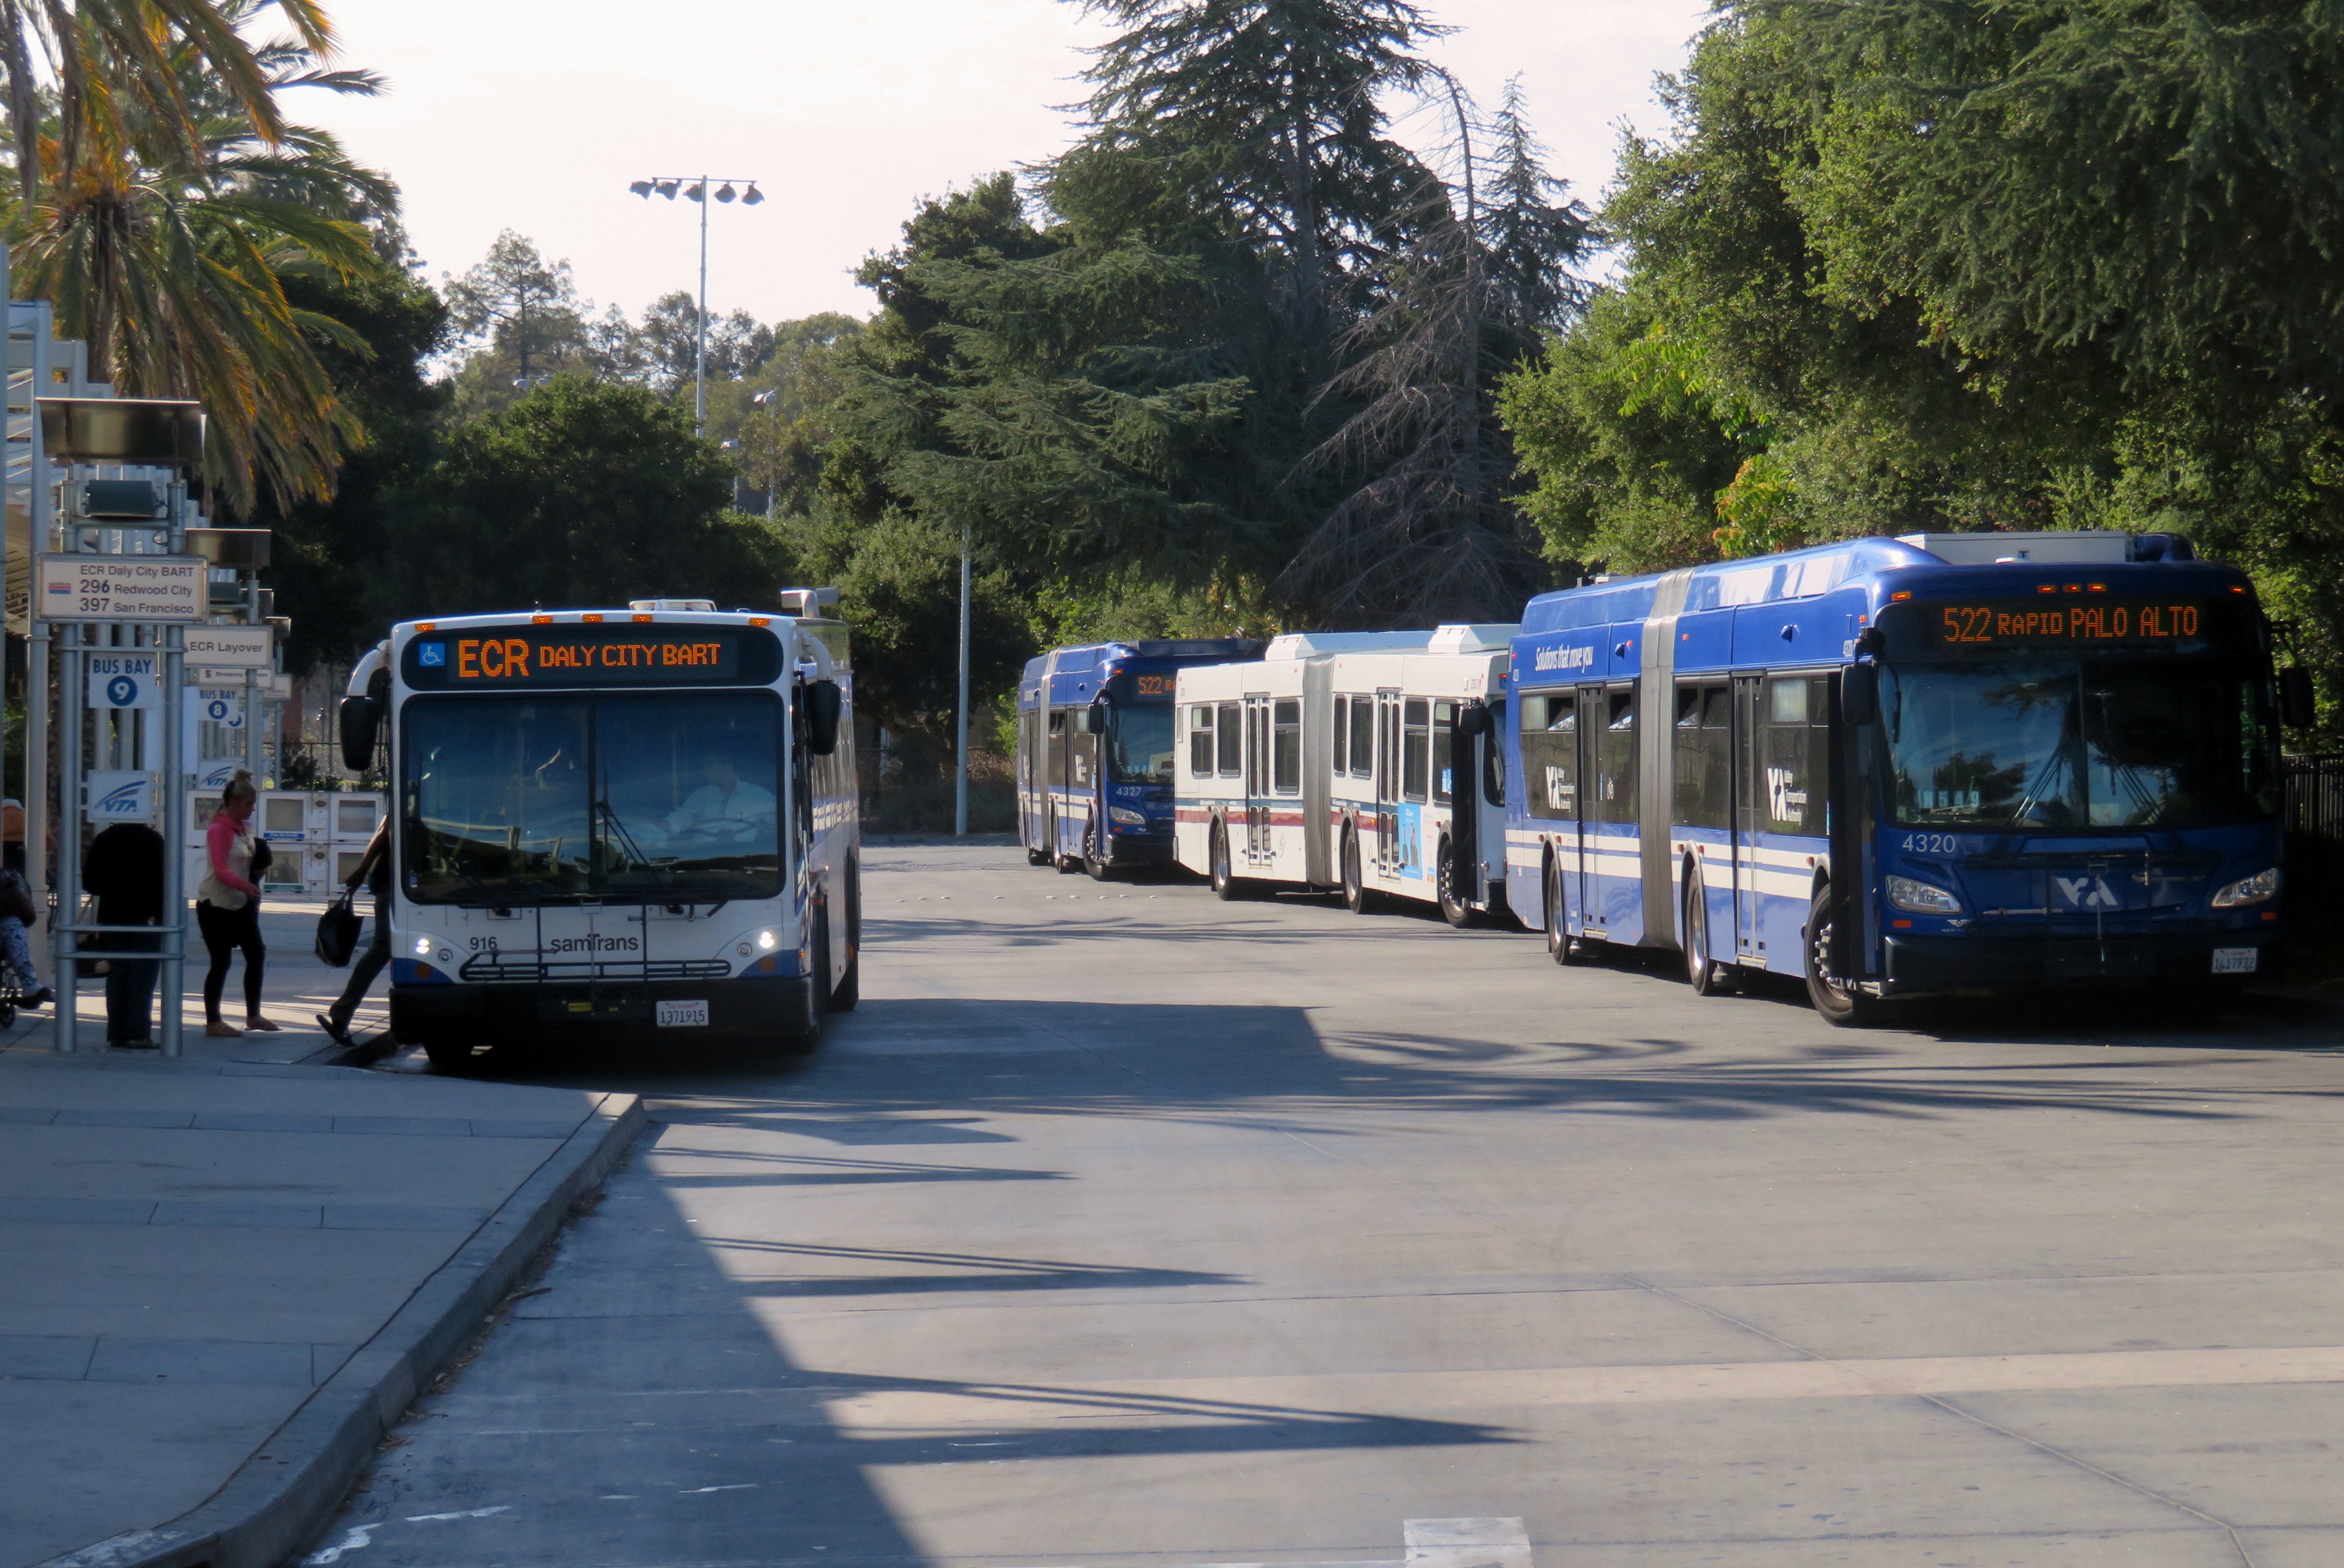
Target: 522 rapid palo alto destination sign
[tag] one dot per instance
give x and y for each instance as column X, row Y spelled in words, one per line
column 121, row 588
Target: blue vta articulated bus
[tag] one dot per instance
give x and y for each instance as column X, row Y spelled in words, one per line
column 1095, row 750
column 1940, row 764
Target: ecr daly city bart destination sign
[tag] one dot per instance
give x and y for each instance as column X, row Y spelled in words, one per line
column 121, row 588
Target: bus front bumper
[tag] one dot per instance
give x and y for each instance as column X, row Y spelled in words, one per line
column 1139, row 848
column 1995, row 962
column 756, row 1011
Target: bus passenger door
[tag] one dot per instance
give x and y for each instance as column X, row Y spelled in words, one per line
column 1749, row 809
column 1586, row 896
column 1389, row 784
column 1256, row 780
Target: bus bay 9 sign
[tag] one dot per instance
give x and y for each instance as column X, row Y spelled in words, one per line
column 1966, row 625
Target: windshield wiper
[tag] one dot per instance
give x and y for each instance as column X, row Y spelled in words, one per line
column 627, row 841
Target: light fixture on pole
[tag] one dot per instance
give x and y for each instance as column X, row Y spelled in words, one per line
column 696, row 188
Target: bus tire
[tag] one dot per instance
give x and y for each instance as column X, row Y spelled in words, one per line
column 804, row 1032
column 1226, row 885
column 1841, row 1008
column 1038, row 857
column 1099, row 870
column 1454, row 909
column 849, row 989
column 450, row 1058
column 1561, row 944
column 1703, row 974
column 1357, row 897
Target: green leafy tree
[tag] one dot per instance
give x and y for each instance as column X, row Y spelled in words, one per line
column 518, row 321
column 580, row 494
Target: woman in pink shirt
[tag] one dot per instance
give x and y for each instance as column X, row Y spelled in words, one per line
column 227, row 910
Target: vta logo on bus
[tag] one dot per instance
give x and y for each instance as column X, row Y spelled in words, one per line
column 2085, row 893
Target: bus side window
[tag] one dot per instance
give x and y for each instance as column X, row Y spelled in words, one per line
column 1793, row 753
column 1286, row 746
column 1342, row 754
column 1232, row 739
column 1550, row 756
column 1615, row 795
column 1200, row 740
column 1416, row 748
column 1444, row 731
column 1363, row 737
column 1702, row 755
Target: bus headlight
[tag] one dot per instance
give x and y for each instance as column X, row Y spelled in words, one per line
column 768, row 940
column 1128, row 817
column 1921, row 898
column 423, row 947
column 2246, row 890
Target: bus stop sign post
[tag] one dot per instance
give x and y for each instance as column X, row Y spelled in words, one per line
column 85, row 587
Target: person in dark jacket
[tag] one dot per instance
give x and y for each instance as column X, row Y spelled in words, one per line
column 123, row 867
column 17, row 914
column 374, row 870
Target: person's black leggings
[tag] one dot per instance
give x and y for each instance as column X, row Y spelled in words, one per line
column 225, row 931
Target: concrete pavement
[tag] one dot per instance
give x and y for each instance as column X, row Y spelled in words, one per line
column 222, row 1277
column 1122, row 1227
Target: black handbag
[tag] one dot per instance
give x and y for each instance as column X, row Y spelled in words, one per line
column 337, row 931
column 263, row 857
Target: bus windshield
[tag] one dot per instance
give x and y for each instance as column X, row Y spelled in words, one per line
column 1139, row 743
column 535, row 798
column 2076, row 745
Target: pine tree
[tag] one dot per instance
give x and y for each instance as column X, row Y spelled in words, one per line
column 1431, row 530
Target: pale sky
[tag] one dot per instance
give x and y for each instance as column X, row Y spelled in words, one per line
column 533, row 115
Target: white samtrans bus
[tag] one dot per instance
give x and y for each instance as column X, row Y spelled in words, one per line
column 629, row 824
column 1362, row 761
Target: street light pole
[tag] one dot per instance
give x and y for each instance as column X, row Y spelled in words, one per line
column 697, row 189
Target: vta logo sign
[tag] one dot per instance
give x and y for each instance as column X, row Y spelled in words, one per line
column 2087, row 892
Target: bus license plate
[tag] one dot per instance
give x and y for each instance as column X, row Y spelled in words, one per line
column 684, row 1015
column 2234, row 960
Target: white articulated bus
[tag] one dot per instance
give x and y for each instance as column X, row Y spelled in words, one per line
column 1330, row 763
column 1416, row 779
column 629, row 824
column 1250, row 803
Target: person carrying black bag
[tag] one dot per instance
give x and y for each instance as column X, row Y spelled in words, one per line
column 373, row 869
column 123, row 868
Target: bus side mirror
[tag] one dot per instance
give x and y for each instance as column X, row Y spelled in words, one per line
column 2299, row 706
column 1859, row 693
column 1473, row 721
column 822, row 704
column 360, row 718
column 1094, row 719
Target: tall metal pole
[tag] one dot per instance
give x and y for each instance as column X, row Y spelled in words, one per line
column 71, row 692
column 960, row 741
column 700, row 357
column 173, row 806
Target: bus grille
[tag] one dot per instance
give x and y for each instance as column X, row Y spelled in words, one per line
column 506, row 966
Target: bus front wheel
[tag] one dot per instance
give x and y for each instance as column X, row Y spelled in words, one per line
column 1226, row 885
column 805, row 1031
column 1703, row 974
column 1842, row 1006
column 1453, row 908
column 1561, row 944
column 1357, row 899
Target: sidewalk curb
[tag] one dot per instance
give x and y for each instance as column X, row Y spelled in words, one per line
column 285, row 1492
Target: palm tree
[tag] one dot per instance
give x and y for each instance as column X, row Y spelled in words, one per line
column 168, row 265
column 111, row 59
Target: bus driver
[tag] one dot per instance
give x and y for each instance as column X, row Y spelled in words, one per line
column 724, row 807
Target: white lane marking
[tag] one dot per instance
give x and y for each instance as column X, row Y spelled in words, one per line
column 1466, row 1544
column 1340, row 1396
column 358, row 1536
column 468, row 1514
column 736, row 1486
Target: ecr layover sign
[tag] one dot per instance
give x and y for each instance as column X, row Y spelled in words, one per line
column 121, row 588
